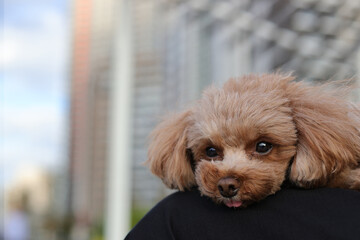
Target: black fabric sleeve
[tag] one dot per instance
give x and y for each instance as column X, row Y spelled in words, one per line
column 289, row 214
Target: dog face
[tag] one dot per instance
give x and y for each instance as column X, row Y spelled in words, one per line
column 236, row 144
column 242, row 143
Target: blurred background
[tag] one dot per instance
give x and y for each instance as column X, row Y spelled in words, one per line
column 83, row 83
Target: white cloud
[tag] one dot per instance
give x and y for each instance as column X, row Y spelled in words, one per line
column 32, row 119
column 39, row 51
column 32, row 136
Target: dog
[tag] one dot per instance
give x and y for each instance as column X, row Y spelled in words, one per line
column 239, row 143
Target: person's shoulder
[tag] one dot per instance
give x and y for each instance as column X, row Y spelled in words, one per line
column 159, row 222
column 189, row 215
column 182, row 196
column 183, row 199
column 321, row 195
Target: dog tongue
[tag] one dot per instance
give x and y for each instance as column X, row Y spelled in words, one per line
column 232, row 203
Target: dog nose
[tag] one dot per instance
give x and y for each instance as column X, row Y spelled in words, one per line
column 228, row 187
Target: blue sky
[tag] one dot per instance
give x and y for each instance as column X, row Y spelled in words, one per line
column 34, row 70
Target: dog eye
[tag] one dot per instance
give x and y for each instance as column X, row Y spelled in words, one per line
column 263, row 147
column 211, row 152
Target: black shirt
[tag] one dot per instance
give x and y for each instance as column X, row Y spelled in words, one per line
column 289, row 214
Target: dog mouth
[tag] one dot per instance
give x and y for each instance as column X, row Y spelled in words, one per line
column 233, row 203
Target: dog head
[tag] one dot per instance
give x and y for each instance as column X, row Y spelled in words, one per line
column 238, row 142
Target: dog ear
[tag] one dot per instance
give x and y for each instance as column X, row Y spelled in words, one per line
column 328, row 138
column 168, row 157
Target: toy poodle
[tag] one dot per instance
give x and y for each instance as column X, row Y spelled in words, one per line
column 238, row 144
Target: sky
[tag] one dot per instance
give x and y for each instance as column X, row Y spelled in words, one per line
column 34, row 71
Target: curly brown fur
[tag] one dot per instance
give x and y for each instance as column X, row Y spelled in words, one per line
column 312, row 127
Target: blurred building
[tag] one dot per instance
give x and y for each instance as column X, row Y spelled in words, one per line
column 2, row 211
column 30, row 197
column 315, row 39
column 179, row 48
column 91, row 59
